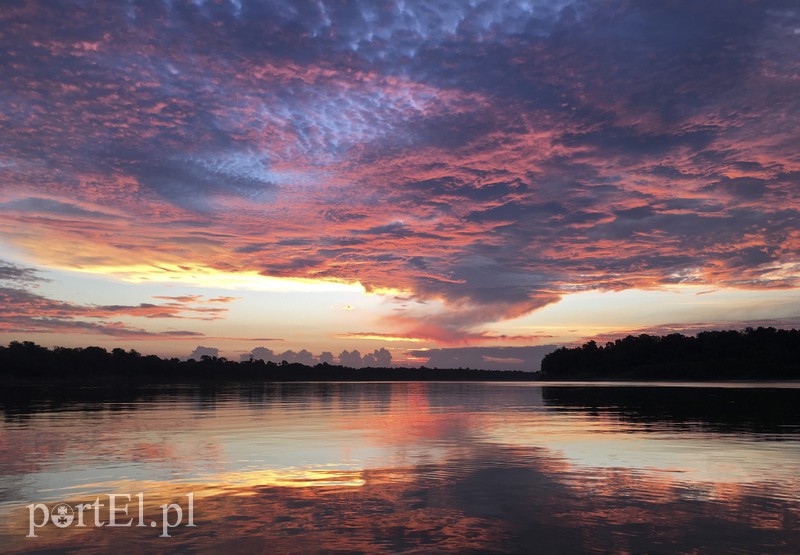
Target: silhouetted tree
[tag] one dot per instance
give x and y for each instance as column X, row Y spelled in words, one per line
column 760, row 353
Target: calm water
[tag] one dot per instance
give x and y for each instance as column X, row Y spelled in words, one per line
column 409, row 467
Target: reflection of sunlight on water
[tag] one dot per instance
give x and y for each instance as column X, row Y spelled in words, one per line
column 292, row 478
column 234, row 483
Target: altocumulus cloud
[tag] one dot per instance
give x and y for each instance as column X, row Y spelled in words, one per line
column 490, row 156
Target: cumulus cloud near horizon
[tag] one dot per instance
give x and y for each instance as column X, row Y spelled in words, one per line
column 201, row 351
column 379, row 358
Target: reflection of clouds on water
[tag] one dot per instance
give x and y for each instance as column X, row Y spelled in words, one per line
column 695, row 456
column 497, row 499
column 713, row 434
column 443, row 467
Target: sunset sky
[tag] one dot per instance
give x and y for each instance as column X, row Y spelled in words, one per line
column 458, row 182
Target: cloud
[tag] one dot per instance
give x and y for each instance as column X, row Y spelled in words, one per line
column 748, row 188
column 185, row 299
column 223, row 299
column 28, row 312
column 290, row 356
column 491, row 358
column 485, row 158
column 13, row 274
column 200, row 352
column 378, row 335
column 38, row 205
column 180, row 298
column 378, row 358
column 351, row 359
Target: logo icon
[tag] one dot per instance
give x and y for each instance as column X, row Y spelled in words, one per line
column 62, row 515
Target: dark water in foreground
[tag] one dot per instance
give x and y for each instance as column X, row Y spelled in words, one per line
column 408, row 468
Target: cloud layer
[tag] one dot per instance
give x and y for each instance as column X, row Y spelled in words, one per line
column 26, row 311
column 490, row 156
column 379, row 358
column 527, row 359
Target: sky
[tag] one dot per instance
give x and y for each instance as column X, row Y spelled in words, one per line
column 459, row 183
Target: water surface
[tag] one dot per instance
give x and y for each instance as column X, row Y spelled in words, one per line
column 412, row 467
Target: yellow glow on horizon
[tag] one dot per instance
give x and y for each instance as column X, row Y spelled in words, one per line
column 583, row 315
column 379, row 337
column 199, row 275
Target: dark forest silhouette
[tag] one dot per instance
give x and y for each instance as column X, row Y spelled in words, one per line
column 761, row 353
column 26, row 362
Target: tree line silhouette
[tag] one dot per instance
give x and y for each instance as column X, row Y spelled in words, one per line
column 27, row 362
column 760, row 353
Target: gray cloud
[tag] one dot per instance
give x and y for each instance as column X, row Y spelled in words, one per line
column 527, row 359
column 378, row 358
column 199, row 352
column 14, row 274
column 49, row 206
